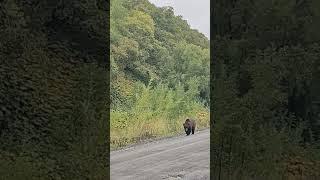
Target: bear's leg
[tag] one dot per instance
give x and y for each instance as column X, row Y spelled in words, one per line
column 193, row 130
column 188, row 131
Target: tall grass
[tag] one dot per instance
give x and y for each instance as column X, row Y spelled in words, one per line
column 155, row 112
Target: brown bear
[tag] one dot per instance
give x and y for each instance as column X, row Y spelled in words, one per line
column 189, row 126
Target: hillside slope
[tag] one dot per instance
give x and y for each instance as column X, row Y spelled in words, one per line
column 159, row 71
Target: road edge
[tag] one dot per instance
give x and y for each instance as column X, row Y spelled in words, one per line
column 152, row 140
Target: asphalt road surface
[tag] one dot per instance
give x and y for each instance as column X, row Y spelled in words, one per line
column 181, row 157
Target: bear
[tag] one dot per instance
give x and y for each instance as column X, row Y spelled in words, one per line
column 189, row 126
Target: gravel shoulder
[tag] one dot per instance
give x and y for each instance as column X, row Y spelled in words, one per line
column 180, row 157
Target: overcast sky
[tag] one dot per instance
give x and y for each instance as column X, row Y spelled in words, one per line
column 196, row 12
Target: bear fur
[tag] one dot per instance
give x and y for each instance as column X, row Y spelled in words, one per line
column 189, row 126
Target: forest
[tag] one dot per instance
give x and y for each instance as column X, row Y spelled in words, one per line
column 160, row 72
column 265, row 89
column 263, row 92
column 54, row 90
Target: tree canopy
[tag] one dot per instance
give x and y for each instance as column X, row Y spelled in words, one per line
column 53, row 89
column 153, row 46
column 265, row 90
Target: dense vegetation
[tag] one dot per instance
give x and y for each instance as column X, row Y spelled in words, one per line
column 266, row 89
column 159, row 72
column 53, row 89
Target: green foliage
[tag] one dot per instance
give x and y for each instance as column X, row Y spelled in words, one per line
column 264, row 99
column 156, row 112
column 53, row 90
column 139, row 23
column 19, row 167
column 159, row 72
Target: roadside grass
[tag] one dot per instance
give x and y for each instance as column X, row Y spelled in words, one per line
column 153, row 112
column 131, row 128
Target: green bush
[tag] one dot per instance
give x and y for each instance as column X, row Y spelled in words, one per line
column 157, row 112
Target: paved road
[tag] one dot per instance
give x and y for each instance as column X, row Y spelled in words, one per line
column 182, row 157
